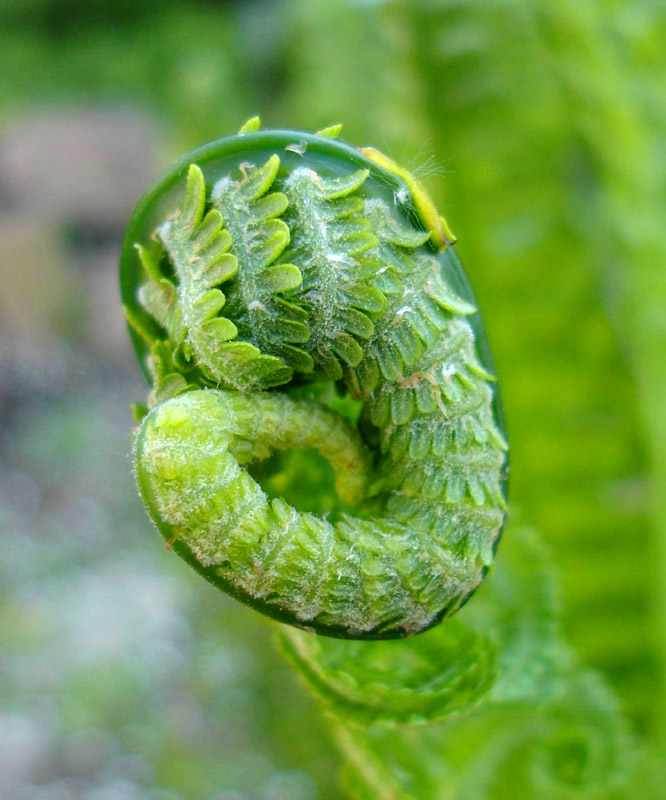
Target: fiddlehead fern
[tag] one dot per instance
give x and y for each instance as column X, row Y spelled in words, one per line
column 288, row 264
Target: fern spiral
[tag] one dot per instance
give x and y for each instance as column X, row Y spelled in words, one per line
column 286, row 291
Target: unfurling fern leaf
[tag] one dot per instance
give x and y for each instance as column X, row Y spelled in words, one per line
column 302, row 295
column 292, row 261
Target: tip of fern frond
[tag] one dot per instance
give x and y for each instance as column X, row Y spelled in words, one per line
column 448, row 235
column 252, row 125
column 194, row 177
column 332, row 132
column 441, row 234
column 139, row 325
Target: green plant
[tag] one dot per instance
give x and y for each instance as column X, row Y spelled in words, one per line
column 258, row 336
column 327, row 276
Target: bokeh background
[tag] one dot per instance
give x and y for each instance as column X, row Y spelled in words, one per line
column 540, row 127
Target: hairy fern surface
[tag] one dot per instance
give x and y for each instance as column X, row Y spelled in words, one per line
column 293, row 270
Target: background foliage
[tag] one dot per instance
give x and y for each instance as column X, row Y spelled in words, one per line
column 540, row 128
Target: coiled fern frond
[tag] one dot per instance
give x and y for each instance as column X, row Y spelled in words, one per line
column 308, row 264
